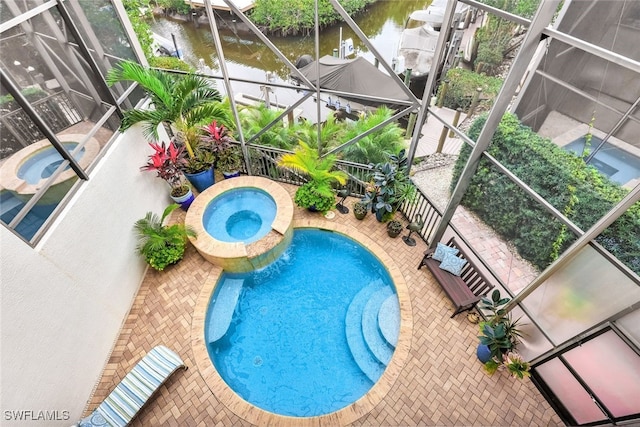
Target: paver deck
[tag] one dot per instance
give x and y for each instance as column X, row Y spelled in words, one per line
column 441, row 383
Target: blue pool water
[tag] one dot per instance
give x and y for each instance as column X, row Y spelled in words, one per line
column 289, row 347
column 240, row 215
column 613, row 162
column 44, row 163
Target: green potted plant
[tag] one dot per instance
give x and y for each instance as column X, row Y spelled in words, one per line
column 182, row 102
column 500, row 335
column 228, row 158
column 317, row 193
column 162, row 245
column 390, row 186
column 229, row 162
column 394, row 228
column 360, row 209
column 168, row 161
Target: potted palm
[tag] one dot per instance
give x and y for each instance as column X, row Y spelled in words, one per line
column 162, row 245
column 168, row 161
column 181, row 102
column 316, row 194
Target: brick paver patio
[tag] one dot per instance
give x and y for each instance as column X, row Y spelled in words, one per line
column 441, row 383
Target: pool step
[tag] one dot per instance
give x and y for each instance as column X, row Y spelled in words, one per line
column 376, row 343
column 223, row 308
column 367, row 362
column 389, row 320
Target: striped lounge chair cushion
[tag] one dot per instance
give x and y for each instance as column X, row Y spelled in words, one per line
column 124, row 402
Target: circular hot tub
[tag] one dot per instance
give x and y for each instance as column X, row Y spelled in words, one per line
column 27, row 170
column 242, row 214
column 242, row 223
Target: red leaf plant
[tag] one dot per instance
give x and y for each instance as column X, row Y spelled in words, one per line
column 216, row 136
column 167, row 161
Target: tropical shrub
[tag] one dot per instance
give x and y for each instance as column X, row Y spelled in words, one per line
column 254, row 119
column 377, row 146
column 162, row 245
column 170, row 63
column 578, row 190
column 317, row 192
column 297, row 16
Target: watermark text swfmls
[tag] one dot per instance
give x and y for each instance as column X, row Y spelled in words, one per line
column 33, row 415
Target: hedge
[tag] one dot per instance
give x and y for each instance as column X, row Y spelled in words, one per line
column 577, row 190
column 298, row 16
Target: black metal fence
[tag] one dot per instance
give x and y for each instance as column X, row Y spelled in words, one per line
column 18, row 131
column 264, row 161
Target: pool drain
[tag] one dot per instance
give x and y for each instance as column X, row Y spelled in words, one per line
column 257, row 361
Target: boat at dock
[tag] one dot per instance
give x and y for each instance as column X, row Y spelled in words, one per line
column 418, row 40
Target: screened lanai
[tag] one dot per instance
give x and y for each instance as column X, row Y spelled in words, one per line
column 568, row 240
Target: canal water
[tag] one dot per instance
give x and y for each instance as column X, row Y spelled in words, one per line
column 247, row 57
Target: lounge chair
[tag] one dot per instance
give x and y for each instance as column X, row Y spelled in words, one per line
column 135, row 389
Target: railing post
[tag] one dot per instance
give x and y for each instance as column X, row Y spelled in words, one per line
column 456, row 119
column 443, row 137
column 442, row 94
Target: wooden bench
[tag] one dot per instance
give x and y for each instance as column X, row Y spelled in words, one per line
column 464, row 291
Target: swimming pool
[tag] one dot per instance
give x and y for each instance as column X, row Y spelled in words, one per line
column 296, row 338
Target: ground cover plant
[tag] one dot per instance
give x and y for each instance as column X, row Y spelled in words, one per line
column 576, row 189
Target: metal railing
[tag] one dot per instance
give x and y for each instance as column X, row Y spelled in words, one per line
column 18, row 131
column 264, row 162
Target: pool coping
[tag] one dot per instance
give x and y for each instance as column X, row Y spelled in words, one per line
column 344, row 416
column 238, row 256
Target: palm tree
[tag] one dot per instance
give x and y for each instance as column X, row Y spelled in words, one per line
column 253, row 119
column 376, row 147
column 160, row 244
column 331, row 132
column 317, row 192
column 185, row 100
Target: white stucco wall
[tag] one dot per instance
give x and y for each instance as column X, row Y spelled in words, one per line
column 63, row 302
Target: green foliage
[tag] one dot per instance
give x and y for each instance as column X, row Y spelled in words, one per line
column 32, row 94
column 463, row 85
column 374, row 148
column 161, row 245
column 377, row 146
column 170, row 63
column 501, row 334
column 308, row 196
column 140, row 26
column 254, row 119
column 394, row 227
column 186, row 100
column 319, row 170
column 561, row 178
column 178, row 6
column 390, row 186
column 297, row 16
column 360, row 209
column 229, row 160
